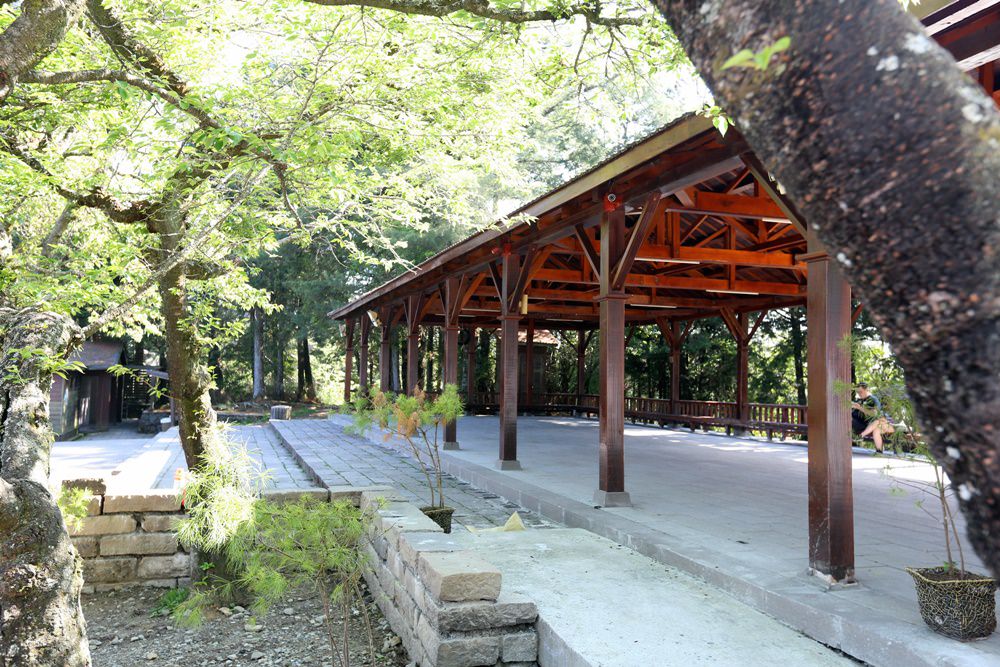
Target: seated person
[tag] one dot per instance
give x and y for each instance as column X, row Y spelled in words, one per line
column 867, row 418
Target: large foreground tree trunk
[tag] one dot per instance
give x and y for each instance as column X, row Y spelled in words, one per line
column 892, row 155
column 41, row 622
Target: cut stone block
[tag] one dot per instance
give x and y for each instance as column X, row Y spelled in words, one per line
column 458, row 576
column 294, row 495
column 466, row 651
column 109, row 570
column 164, row 567
column 85, row 546
column 510, row 609
column 519, row 646
column 160, row 523
column 104, row 525
column 411, row 544
column 139, row 544
column 150, row 501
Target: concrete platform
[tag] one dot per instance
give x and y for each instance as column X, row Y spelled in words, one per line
column 733, row 511
column 600, row 604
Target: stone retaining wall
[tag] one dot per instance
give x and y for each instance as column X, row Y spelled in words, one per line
column 131, row 539
column 444, row 602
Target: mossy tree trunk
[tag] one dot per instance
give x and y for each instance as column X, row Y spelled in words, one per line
column 41, row 622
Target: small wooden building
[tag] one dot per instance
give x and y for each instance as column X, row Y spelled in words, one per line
column 89, row 400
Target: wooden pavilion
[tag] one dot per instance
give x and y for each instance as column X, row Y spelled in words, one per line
column 685, row 224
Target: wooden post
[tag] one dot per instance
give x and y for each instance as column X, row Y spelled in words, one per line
column 451, row 298
column 413, row 361
column 831, row 500
column 470, row 367
column 529, row 365
column 384, row 358
column 366, row 326
column 581, row 363
column 508, row 359
column 676, row 347
column 348, row 359
column 742, row 375
column 611, row 489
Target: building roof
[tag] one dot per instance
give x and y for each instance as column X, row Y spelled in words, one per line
column 98, row 355
column 542, row 337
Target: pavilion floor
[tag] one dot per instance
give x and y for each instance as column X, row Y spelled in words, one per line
column 733, row 511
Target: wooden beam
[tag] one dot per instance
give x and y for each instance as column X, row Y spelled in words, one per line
column 680, row 282
column 587, row 247
column 650, row 211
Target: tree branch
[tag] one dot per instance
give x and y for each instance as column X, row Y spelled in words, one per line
column 32, row 36
column 483, row 9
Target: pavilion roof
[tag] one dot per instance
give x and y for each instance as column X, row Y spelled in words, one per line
column 718, row 241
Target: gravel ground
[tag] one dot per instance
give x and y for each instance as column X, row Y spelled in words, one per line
column 124, row 632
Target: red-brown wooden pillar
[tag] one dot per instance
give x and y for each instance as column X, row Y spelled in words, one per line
column 366, row 327
column 452, row 297
column 831, row 499
column 509, row 318
column 385, row 353
column 470, row 367
column 611, row 489
column 348, row 359
column 412, row 361
column 743, row 372
column 529, row 365
column 676, row 347
column 581, row 363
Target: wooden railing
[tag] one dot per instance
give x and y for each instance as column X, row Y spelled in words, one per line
column 769, row 418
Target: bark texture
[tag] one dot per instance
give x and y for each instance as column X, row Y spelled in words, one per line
column 891, row 155
column 190, row 377
column 34, row 34
column 257, row 330
column 41, row 622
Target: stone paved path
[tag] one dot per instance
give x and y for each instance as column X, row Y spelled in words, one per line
column 342, row 459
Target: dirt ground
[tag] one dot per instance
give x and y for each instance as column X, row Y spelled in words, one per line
column 124, row 632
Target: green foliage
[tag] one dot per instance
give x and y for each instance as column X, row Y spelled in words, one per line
column 170, row 601
column 418, row 421
column 74, row 504
column 48, row 364
column 285, row 548
column 759, row 60
column 219, row 496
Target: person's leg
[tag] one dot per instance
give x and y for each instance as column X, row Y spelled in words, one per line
column 874, row 431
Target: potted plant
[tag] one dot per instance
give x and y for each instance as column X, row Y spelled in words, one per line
column 953, row 601
column 418, row 422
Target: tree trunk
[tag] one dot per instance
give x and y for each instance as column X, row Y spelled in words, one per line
column 257, row 326
column 307, row 388
column 279, row 369
column 307, row 363
column 190, row 379
column 41, row 622
column 890, row 153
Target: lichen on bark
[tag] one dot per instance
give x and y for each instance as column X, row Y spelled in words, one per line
column 41, row 621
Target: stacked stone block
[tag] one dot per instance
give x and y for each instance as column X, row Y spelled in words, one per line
column 444, row 602
column 132, row 539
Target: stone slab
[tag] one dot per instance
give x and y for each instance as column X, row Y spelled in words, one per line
column 109, row 570
column 458, row 576
column 160, row 523
column 104, row 525
column 294, row 495
column 139, row 544
column 166, row 500
column 164, row 567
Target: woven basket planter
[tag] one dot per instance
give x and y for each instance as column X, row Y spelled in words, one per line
column 957, row 605
column 440, row 515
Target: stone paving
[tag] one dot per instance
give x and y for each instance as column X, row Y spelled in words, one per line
column 342, row 459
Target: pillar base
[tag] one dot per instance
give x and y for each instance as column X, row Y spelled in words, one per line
column 513, row 464
column 612, row 498
column 450, row 446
